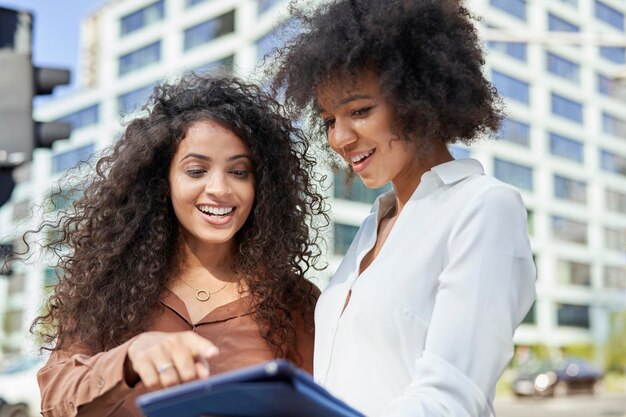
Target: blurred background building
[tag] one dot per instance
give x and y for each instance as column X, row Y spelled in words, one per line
column 557, row 64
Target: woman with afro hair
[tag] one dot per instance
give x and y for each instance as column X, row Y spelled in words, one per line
column 185, row 254
column 418, row 319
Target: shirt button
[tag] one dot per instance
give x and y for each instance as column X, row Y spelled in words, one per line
column 100, row 383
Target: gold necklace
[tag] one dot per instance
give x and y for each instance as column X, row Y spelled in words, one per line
column 202, row 294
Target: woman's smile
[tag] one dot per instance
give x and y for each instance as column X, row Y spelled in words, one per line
column 217, row 215
column 360, row 160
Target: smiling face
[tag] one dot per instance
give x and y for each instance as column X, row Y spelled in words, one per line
column 211, row 184
column 359, row 122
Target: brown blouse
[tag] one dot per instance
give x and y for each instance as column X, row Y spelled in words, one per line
column 77, row 383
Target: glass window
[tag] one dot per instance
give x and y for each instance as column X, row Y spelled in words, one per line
column 566, row 147
column 567, row 108
column 573, row 3
column 191, row 3
column 356, row 190
column 265, row 5
column 6, row 265
column 21, row 210
column 224, row 65
column 69, row 159
column 131, row 101
column 17, row 284
column 515, row 50
column 614, row 54
column 613, row 125
column 140, row 58
column 517, row 175
column 459, row 152
column 54, row 236
column 607, row 86
column 615, row 201
column 50, row 277
column 569, row 230
column 556, row 24
column 609, row 15
column 142, row 18
column 510, row 87
column 344, row 235
column 61, row 200
column 515, row 8
column 17, row 245
column 211, row 29
column 611, row 162
column 530, row 316
column 276, row 38
column 13, row 320
column 573, row 315
column 562, row 67
column 574, row 273
column 267, row 44
column 82, row 118
column 569, row 189
column 515, row 131
column 615, row 277
column 615, row 238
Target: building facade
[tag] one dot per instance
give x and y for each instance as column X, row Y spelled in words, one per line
column 563, row 143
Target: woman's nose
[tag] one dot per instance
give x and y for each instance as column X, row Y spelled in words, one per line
column 217, row 184
column 341, row 135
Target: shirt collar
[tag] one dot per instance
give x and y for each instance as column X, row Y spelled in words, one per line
column 443, row 174
column 236, row 308
column 457, row 170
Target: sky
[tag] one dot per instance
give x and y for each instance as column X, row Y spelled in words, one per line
column 56, row 32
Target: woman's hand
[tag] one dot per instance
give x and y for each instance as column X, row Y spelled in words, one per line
column 161, row 359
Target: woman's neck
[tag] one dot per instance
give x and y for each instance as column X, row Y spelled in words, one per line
column 216, row 259
column 407, row 182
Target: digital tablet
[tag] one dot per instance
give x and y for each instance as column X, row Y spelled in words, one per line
column 271, row 389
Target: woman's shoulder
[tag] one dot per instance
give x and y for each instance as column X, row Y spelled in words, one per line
column 487, row 189
column 315, row 290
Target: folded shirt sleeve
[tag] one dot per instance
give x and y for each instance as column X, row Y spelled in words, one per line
column 74, row 383
column 485, row 290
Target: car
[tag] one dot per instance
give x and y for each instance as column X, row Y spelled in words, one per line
column 13, row 410
column 19, row 392
column 557, row 378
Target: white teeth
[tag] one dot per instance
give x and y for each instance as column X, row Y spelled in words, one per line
column 360, row 157
column 215, row 211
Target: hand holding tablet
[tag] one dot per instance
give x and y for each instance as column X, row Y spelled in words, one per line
column 272, row 389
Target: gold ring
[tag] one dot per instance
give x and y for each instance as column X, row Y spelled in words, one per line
column 164, row 367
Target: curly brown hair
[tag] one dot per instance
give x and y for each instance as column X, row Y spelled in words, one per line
column 124, row 225
column 426, row 53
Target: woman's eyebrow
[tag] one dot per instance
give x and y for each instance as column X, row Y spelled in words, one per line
column 195, row 155
column 239, row 156
column 353, row 97
column 347, row 100
column 207, row 158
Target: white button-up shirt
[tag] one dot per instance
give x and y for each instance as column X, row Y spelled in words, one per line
column 429, row 326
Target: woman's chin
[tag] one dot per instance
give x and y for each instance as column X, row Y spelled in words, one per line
column 372, row 182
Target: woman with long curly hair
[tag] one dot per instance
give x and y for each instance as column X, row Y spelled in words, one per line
column 186, row 252
column 419, row 317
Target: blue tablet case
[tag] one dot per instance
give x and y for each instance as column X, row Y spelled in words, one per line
column 271, row 389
